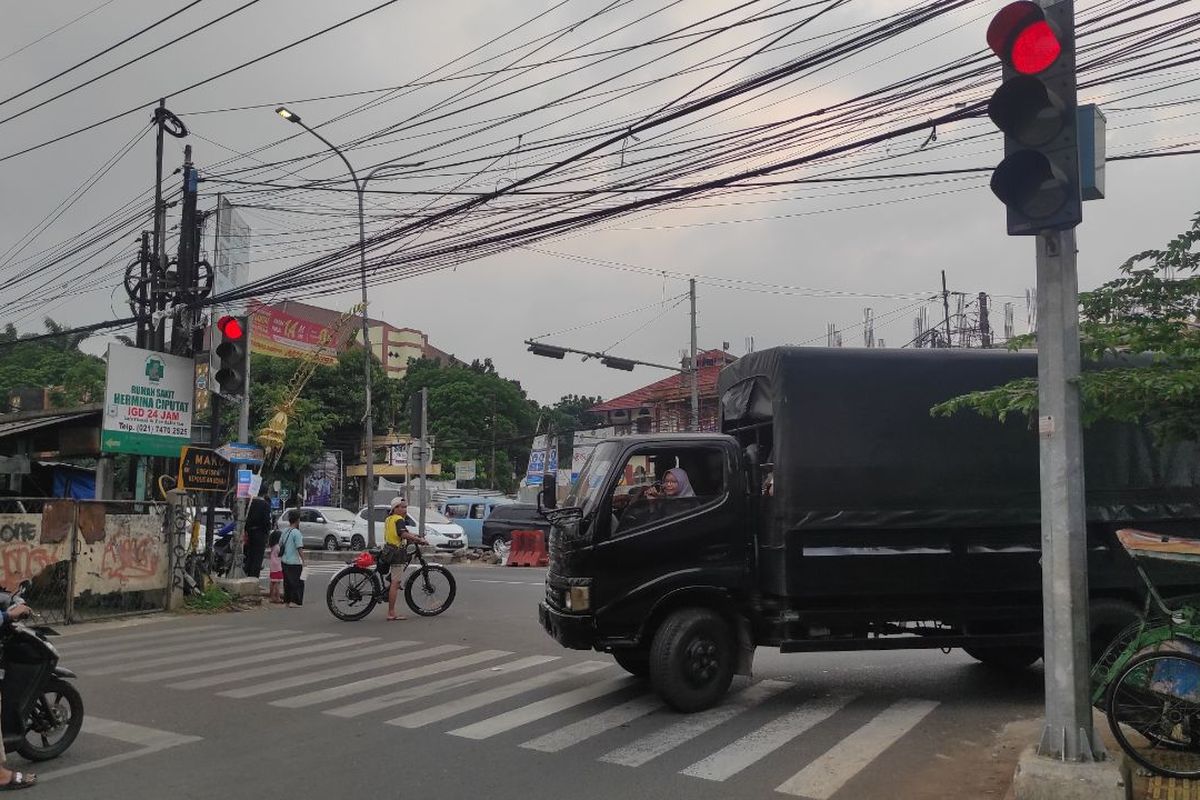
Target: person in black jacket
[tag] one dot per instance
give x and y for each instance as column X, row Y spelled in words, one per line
column 258, row 525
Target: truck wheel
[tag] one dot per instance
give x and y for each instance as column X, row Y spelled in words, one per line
column 692, row 659
column 635, row 662
column 1009, row 659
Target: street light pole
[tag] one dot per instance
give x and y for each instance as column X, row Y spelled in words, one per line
column 368, row 425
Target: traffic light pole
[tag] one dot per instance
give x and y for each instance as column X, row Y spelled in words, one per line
column 1068, row 734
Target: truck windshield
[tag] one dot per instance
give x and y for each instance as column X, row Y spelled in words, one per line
column 592, row 476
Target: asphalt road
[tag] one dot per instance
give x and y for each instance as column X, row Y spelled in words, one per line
column 481, row 703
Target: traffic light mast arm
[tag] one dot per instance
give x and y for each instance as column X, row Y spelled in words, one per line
column 593, row 354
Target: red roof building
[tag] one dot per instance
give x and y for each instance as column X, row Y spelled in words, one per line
column 666, row 406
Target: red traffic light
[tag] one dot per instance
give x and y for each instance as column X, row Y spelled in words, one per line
column 230, row 327
column 1020, row 35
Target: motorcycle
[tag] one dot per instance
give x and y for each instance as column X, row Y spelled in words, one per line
column 222, row 554
column 41, row 713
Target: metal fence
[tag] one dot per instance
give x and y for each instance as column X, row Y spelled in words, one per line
column 86, row 559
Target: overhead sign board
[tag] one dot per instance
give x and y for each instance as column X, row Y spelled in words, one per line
column 147, row 402
column 203, row 470
column 241, row 453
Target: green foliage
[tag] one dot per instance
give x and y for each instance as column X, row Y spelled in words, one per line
column 1150, row 308
column 470, row 407
column 75, row 376
column 212, row 599
column 329, row 408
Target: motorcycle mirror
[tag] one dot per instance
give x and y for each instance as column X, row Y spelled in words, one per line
column 548, row 495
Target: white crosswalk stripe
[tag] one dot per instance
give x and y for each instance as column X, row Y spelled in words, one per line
column 829, row 773
column 361, row 676
column 541, row 709
column 756, row 745
column 427, row 689
column 374, row 682
column 244, row 644
column 462, row 705
column 650, row 747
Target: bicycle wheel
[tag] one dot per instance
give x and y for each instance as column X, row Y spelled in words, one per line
column 1154, row 712
column 430, row 590
column 351, row 594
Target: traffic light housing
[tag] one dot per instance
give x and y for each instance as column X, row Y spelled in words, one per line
column 1035, row 107
column 230, row 357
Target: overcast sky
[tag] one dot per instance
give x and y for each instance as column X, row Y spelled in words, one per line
column 857, row 245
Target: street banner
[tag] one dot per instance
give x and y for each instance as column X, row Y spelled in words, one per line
column 245, row 479
column 232, row 268
column 323, row 482
column 147, row 402
column 276, row 333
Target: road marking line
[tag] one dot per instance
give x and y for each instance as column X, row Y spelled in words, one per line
column 375, row 682
column 830, row 772
column 689, row 727
column 510, row 583
column 146, row 677
column 295, row 652
column 502, row 723
column 151, row 740
column 464, row 704
column 427, row 689
column 275, row 669
column 133, row 660
column 595, row 725
column 336, row 673
column 69, row 643
column 202, row 643
column 735, row 757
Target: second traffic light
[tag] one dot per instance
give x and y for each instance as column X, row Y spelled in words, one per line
column 1038, row 180
column 230, row 358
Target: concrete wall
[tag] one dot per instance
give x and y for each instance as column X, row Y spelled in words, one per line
column 27, row 550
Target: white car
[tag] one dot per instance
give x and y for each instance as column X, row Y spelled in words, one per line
column 324, row 527
column 439, row 531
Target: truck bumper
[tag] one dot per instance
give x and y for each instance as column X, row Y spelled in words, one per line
column 576, row 631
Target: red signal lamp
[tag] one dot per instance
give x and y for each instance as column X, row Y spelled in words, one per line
column 1022, row 38
column 230, row 327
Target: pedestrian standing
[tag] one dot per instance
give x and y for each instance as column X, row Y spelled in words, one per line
column 276, row 569
column 292, row 561
column 258, row 524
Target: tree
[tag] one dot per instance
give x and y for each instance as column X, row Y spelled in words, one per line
column 470, row 407
column 58, row 364
column 1150, row 308
column 568, row 415
column 329, row 408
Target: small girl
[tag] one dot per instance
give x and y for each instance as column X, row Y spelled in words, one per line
column 276, row 567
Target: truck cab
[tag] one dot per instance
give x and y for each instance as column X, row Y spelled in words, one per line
column 834, row 512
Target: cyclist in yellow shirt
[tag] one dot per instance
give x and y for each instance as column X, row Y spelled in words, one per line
column 395, row 535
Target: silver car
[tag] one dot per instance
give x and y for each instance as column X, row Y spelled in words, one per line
column 322, row 527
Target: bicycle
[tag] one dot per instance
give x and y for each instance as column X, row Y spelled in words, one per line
column 356, row 589
column 1147, row 681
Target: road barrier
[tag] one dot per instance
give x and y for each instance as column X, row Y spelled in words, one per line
column 528, row 549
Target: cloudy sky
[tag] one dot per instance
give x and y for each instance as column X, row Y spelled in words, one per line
column 491, row 94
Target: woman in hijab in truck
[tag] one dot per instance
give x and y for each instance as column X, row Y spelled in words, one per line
column 674, row 484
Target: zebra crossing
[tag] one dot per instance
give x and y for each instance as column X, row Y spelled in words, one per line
column 468, row 693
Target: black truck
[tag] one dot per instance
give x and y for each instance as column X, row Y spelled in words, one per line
column 834, row 512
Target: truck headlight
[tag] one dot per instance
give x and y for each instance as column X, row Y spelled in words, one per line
column 578, row 598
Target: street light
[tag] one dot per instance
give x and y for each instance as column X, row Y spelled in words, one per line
column 368, row 426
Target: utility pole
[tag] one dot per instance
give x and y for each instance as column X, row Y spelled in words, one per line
column 694, row 367
column 985, row 328
column 1068, row 733
column 186, row 271
column 160, row 227
column 946, row 307
column 492, row 468
column 422, row 457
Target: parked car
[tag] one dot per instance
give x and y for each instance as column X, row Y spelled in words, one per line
column 499, row 526
column 323, row 527
column 439, row 531
column 470, row 513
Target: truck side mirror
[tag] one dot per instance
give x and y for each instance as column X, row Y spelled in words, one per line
column 548, row 496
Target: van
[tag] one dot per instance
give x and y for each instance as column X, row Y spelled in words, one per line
column 470, row 512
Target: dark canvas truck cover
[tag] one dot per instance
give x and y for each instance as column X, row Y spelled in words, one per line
column 862, row 470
